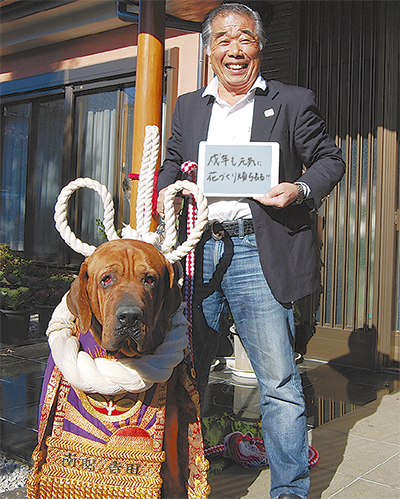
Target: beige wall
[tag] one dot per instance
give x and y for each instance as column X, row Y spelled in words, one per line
column 95, row 49
column 85, row 51
column 188, row 56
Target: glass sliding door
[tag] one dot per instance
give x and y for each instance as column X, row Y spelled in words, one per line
column 96, row 135
column 13, row 174
column 47, row 176
column 103, row 134
column 49, row 136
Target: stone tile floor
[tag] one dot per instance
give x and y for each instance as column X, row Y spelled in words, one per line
column 359, row 458
column 354, row 423
column 353, row 418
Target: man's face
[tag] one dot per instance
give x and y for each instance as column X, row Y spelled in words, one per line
column 235, row 55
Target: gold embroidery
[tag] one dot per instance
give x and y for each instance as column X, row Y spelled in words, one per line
column 98, row 352
column 129, row 465
column 60, row 409
column 160, row 422
column 73, row 415
column 51, row 393
column 123, row 403
column 103, row 459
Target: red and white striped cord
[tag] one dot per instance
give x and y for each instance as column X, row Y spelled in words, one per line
column 190, row 168
column 247, row 450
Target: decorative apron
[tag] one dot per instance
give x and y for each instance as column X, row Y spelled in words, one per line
column 93, row 445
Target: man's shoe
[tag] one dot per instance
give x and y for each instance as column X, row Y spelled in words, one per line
column 288, row 496
column 299, row 359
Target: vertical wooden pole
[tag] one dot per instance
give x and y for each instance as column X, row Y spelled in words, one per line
column 149, row 82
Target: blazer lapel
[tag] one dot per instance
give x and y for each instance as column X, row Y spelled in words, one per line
column 197, row 112
column 203, row 115
column 266, row 111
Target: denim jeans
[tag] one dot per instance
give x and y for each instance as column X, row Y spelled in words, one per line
column 266, row 329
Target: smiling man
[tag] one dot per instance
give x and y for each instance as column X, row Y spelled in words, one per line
column 258, row 254
column 234, row 55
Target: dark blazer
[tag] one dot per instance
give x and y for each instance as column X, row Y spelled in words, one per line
column 285, row 238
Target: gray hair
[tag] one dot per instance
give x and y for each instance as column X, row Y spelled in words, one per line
column 237, row 8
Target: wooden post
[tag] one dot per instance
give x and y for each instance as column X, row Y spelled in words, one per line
column 149, row 82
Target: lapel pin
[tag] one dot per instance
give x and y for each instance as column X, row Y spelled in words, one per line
column 269, row 112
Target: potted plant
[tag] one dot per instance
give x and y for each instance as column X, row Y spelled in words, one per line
column 15, row 296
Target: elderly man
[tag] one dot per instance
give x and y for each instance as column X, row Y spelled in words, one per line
column 260, row 255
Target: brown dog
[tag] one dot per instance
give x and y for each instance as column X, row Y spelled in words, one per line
column 125, row 295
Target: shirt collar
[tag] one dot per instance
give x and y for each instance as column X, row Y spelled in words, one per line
column 212, row 88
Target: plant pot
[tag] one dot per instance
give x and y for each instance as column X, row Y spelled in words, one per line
column 14, row 325
column 44, row 312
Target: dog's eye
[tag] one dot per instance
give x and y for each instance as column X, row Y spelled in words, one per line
column 149, row 280
column 106, row 281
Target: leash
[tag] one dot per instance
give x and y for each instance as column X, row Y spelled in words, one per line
column 194, row 260
column 190, row 168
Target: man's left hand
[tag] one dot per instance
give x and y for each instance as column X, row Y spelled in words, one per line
column 279, row 196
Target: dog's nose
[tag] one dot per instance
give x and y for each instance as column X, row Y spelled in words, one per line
column 127, row 317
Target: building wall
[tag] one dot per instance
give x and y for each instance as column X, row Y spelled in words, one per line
column 348, row 53
column 104, row 47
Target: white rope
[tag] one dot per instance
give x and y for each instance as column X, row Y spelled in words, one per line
column 170, row 229
column 146, row 178
column 143, row 211
column 110, row 376
column 60, row 214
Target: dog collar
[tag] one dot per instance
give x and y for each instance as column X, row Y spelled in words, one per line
column 109, row 376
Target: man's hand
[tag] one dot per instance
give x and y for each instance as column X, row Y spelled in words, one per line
column 279, row 196
column 177, row 201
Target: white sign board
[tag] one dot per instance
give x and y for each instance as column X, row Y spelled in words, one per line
column 238, row 170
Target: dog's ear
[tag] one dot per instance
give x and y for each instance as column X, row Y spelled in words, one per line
column 173, row 296
column 78, row 299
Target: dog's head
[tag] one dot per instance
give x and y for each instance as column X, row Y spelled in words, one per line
column 126, row 293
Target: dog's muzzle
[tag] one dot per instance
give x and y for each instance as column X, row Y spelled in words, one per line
column 129, row 323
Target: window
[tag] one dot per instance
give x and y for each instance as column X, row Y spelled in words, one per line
column 97, row 153
column 47, row 173
column 49, row 139
column 13, row 174
column 60, row 126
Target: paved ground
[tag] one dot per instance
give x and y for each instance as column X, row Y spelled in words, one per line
column 359, row 458
column 353, row 418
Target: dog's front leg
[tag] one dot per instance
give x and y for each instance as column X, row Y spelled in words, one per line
column 173, row 480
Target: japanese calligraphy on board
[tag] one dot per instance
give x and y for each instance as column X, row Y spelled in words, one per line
column 238, row 170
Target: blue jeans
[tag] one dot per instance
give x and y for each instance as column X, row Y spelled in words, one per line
column 266, row 329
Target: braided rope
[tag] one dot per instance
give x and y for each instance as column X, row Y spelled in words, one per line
column 145, row 185
column 60, row 214
column 111, row 376
column 170, row 229
column 250, row 451
column 190, row 168
column 143, row 211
